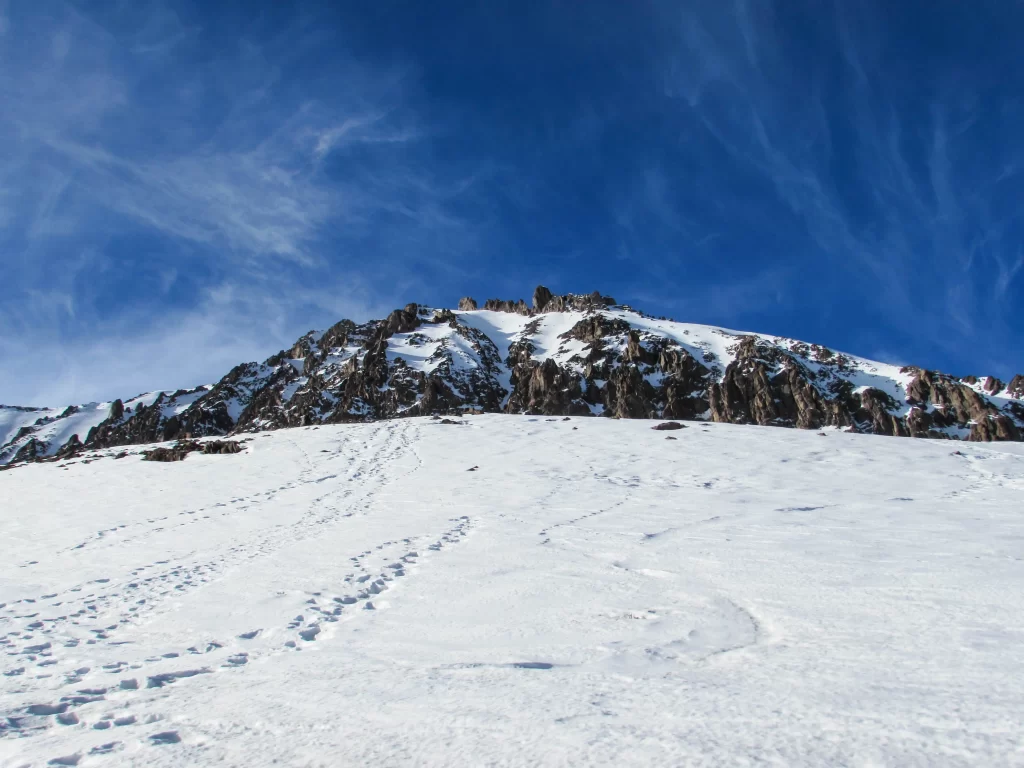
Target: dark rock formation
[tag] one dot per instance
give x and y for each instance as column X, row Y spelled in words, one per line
column 541, row 296
column 571, row 302
column 545, row 301
column 30, row 450
column 180, row 450
column 175, row 453
column 877, row 414
column 70, row 448
column 403, row 320
column 116, row 411
column 499, row 305
column 545, row 388
column 954, row 402
column 222, row 447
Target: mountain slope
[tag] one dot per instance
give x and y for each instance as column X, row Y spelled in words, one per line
column 565, row 355
column 591, row 594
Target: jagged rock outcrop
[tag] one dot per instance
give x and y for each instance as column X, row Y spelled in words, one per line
column 403, row 320
column 686, row 385
column 572, row 302
column 180, row 450
column 878, row 414
column 545, row 301
column 766, row 385
column 70, row 448
column 566, row 355
column 547, row 389
column 541, row 296
column 31, row 449
column 221, row 447
column 500, row 305
column 160, row 420
column 629, row 395
column 943, row 401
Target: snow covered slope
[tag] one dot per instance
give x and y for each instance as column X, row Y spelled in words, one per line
column 591, row 594
column 568, row 355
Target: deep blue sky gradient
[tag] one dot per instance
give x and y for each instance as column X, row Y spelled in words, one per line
column 188, row 185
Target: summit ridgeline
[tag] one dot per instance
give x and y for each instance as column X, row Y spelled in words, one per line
column 560, row 355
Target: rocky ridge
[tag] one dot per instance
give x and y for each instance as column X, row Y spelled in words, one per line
column 561, row 355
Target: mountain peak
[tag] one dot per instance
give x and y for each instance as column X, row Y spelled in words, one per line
column 569, row 354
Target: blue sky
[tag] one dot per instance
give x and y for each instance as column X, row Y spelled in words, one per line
column 188, row 185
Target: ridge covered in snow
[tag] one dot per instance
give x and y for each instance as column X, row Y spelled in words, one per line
column 564, row 355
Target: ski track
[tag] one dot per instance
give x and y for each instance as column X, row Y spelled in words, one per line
column 50, row 635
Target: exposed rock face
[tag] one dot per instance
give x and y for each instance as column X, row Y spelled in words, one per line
column 575, row 303
column 158, row 421
column 499, row 305
column 545, row 388
column 403, row 320
column 628, row 395
column 221, row 447
column 180, row 450
column 177, row 452
column 566, row 355
column 541, row 296
column 766, row 385
column 877, row 414
column 940, row 400
column 31, row 449
column 70, row 448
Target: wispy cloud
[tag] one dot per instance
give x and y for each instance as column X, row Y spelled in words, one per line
column 250, row 203
column 883, row 174
column 186, row 348
column 187, row 180
column 792, row 169
column 370, row 129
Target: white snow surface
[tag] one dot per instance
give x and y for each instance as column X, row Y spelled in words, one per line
column 57, row 430
column 13, row 419
column 592, row 594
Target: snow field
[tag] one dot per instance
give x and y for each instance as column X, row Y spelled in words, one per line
column 591, row 594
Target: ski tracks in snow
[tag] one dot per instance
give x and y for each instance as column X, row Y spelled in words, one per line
column 71, row 656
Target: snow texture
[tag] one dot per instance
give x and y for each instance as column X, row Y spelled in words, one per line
column 590, row 594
